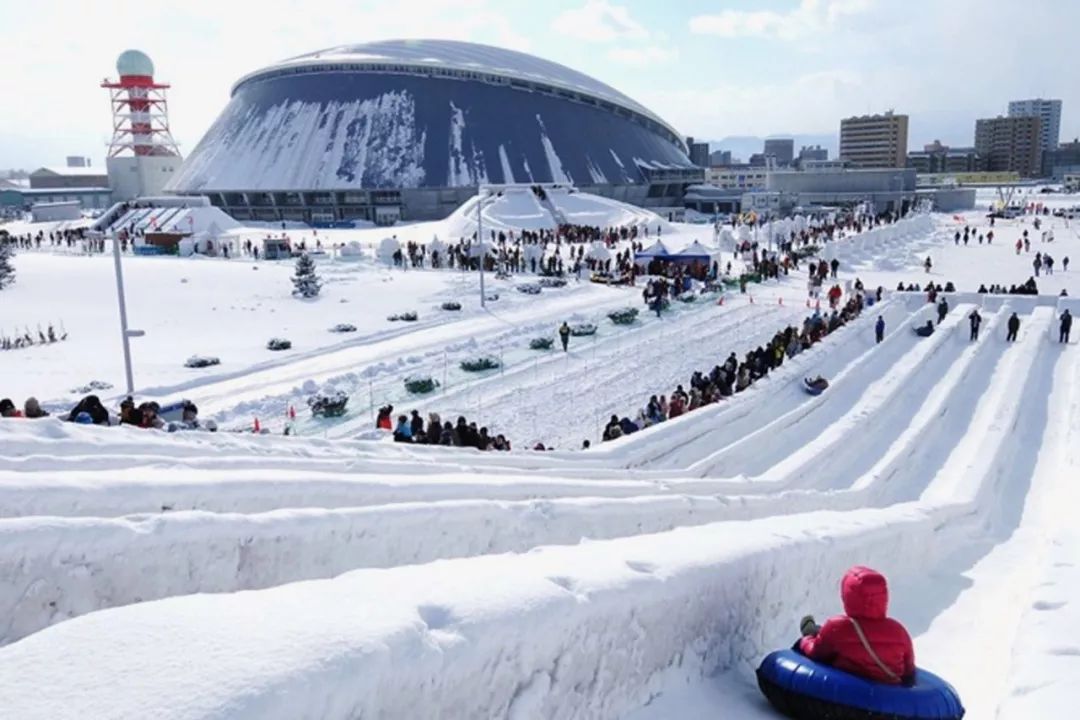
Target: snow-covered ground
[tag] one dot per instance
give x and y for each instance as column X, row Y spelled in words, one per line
column 329, row 575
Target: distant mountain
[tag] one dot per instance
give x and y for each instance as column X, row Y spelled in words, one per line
column 743, row 146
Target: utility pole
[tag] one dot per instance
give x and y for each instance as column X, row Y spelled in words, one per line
column 480, row 239
column 125, row 334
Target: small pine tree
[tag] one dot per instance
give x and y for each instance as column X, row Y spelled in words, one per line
column 7, row 272
column 306, row 283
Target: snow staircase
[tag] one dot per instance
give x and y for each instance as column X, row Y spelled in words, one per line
column 556, row 213
column 104, row 223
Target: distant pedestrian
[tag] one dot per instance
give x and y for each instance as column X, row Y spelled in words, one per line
column 942, row 310
column 976, row 320
column 927, row 264
column 879, row 329
column 835, row 265
column 564, row 336
column 1066, row 326
column 1065, row 263
column 1014, row 328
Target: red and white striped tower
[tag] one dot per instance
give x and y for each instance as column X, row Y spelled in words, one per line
column 140, row 110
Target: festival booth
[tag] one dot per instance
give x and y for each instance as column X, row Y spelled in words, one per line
column 696, row 258
column 654, row 258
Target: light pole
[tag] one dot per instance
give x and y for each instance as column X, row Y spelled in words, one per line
column 480, row 239
column 125, row 333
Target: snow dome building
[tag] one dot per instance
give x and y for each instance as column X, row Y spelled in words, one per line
column 409, row 129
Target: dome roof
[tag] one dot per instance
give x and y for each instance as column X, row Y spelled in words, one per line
column 134, row 62
column 424, row 56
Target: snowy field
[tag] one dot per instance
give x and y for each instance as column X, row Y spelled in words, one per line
column 332, row 574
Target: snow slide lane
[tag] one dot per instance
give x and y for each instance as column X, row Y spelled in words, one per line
column 724, row 593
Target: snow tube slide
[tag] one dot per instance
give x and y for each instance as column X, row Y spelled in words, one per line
column 803, row 689
column 815, row 387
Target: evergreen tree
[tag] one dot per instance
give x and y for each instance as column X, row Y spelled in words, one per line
column 7, row 272
column 306, row 283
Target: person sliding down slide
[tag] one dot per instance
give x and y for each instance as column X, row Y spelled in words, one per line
column 816, row 386
column 863, row 641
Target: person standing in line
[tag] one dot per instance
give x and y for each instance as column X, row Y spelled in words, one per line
column 879, row 329
column 942, row 310
column 1014, row 328
column 976, row 320
column 1066, row 326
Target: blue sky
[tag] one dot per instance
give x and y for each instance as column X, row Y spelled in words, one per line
column 710, row 67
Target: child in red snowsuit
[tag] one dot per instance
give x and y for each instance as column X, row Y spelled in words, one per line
column 864, row 641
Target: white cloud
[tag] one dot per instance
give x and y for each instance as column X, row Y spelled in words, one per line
column 599, row 21
column 640, row 56
column 808, row 18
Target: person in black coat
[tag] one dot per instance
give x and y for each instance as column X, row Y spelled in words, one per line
column 976, row 320
column 416, row 424
column 942, row 310
column 92, row 406
column 1066, row 326
column 1014, row 328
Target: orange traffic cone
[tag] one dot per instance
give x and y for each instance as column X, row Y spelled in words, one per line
column 720, row 301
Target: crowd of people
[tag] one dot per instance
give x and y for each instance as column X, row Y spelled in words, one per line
column 413, row 429
column 91, row 411
column 28, row 339
column 1027, row 288
column 69, row 238
column 734, row 376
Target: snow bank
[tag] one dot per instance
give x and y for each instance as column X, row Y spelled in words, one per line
column 512, row 210
column 558, row 632
column 516, row 209
column 146, row 489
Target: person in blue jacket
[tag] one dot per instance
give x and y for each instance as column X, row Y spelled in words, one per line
column 403, row 431
column 879, row 328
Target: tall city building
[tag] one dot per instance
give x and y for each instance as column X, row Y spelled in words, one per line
column 875, row 141
column 938, row 158
column 816, row 152
column 1010, row 144
column 698, row 152
column 1062, row 161
column 1048, row 111
column 720, row 158
column 783, row 149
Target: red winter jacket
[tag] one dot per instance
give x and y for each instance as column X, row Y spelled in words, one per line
column 866, row 598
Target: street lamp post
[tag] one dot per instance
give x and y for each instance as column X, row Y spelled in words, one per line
column 480, row 240
column 125, row 333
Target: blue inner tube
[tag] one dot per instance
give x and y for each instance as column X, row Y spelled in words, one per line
column 803, row 689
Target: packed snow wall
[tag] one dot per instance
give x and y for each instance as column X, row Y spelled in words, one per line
column 350, row 129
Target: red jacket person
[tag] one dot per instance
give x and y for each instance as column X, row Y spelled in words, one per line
column 864, row 641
